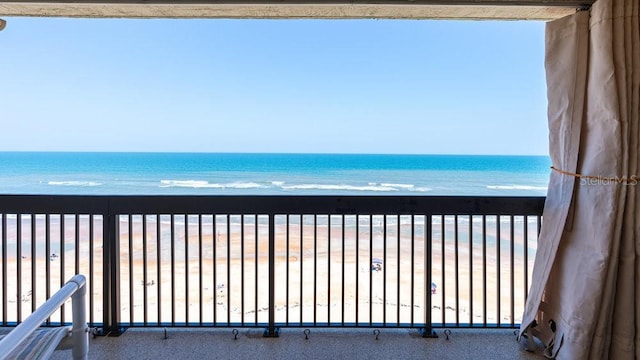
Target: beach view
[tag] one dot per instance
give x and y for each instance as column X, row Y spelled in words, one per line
column 120, row 163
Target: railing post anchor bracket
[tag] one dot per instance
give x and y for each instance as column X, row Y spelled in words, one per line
column 271, row 333
column 428, row 333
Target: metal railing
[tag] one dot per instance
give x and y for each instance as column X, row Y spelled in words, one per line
column 272, row 261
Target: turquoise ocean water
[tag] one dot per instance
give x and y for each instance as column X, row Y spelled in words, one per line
column 271, row 174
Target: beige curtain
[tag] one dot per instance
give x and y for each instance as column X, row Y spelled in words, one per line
column 584, row 301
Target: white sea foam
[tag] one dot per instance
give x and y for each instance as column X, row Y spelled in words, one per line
column 371, row 186
column 339, row 187
column 74, row 183
column 186, row 183
column 243, row 185
column 205, row 184
column 402, row 186
column 517, row 187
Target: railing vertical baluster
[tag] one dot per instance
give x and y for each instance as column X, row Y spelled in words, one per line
column 130, row 261
column 538, row 227
column 62, row 261
column 242, row 269
column 329, row 270
column 427, row 331
column 484, row 270
column 159, row 265
column 242, row 274
column 145, row 317
column 398, row 282
column 173, row 270
column 526, row 257
column 255, row 266
column 370, row 272
column 471, row 270
column 357, row 268
column 47, row 259
column 342, row 274
column 512, row 267
column 215, row 267
column 4, row 270
column 33, row 263
column 456, row 246
column 200, row 275
column 287, row 229
column 301, row 269
column 384, row 269
column 443, row 286
column 228, row 285
column 498, row 271
column 428, row 243
column 91, row 270
column 444, row 272
column 315, row 269
column 77, row 243
column 413, row 263
column 186, row 269
column 271, row 330
column 19, row 266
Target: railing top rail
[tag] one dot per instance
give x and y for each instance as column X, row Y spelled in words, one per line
column 53, row 204
column 277, row 204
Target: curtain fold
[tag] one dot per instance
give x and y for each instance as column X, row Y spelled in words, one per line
column 584, row 298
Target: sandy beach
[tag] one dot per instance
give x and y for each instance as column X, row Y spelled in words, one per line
column 219, row 274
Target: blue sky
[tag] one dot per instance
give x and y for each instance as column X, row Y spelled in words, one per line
column 312, row 86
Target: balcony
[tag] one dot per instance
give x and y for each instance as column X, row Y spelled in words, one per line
column 200, row 267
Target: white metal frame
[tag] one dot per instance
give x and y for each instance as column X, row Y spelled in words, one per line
column 74, row 288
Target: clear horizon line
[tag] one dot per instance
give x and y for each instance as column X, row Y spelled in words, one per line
column 257, row 153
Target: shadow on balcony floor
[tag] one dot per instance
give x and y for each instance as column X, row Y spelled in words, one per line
column 322, row 344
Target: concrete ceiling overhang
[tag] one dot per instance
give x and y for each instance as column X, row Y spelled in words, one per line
column 287, row 9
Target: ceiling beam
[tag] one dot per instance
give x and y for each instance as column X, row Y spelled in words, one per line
column 291, row 9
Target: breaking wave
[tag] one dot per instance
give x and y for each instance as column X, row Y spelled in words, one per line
column 74, row 183
column 383, row 187
column 206, row 184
